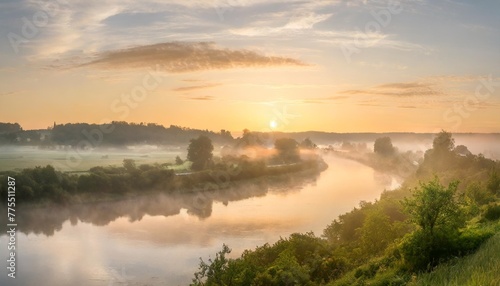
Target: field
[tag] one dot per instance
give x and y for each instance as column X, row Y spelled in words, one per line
column 15, row 158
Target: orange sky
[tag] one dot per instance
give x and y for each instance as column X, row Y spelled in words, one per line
column 328, row 66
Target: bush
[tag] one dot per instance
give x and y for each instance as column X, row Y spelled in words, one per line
column 439, row 216
column 492, row 212
column 471, row 239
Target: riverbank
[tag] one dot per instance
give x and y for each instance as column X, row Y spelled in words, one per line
column 44, row 186
column 400, row 166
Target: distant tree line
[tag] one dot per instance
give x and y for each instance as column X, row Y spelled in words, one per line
column 120, row 133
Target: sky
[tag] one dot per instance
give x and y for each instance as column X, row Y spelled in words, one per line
column 325, row 65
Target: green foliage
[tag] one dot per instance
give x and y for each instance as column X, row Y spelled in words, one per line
column 41, row 183
column 493, row 184
column 285, row 270
column 492, row 212
column 344, row 229
column 376, row 233
column 480, row 268
column 478, row 194
column 303, row 259
column 215, row 271
column 200, row 152
column 435, row 209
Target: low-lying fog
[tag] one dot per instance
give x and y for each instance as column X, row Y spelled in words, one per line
column 67, row 159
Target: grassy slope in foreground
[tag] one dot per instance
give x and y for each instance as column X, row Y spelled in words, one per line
column 480, row 268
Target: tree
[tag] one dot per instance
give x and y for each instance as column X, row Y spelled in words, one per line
column 249, row 139
column 178, row 160
column 462, row 150
column 213, row 272
column 383, row 146
column 434, row 207
column 436, row 211
column 200, row 152
column 443, row 143
column 308, row 144
column 287, row 149
column 377, row 232
column 493, row 184
column 129, row 165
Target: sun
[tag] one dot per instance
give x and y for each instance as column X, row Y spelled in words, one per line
column 273, row 124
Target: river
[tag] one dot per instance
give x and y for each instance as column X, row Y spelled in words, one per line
column 158, row 239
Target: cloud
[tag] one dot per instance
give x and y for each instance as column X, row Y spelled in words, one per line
column 202, row 98
column 195, row 87
column 178, row 57
column 403, row 85
column 295, row 24
column 339, row 97
column 459, row 79
column 10, row 93
column 324, row 99
column 404, row 89
column 356, row 39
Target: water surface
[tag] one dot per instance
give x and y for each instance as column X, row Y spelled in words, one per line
column 158, row 239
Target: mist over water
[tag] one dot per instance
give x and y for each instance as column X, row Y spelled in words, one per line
column 158, row 239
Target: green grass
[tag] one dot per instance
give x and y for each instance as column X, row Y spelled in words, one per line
column 481, row 268
column 29, row 157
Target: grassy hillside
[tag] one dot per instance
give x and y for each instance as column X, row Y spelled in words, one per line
column 480, row 268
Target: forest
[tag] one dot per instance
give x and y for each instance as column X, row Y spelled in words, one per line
column 414, row 235
column 115, row 133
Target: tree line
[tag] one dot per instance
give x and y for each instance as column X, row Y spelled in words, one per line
column 120, row 134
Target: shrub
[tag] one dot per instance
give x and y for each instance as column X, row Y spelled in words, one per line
column 492, row 212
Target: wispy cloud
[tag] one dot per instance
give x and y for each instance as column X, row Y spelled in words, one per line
column 404, row 89
column 11, row 93
column 202, row 98
column 195, row 87
column 178, row 57
column 296, row 23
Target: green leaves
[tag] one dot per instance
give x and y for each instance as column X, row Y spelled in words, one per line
column 439, row 214
column 434, row 207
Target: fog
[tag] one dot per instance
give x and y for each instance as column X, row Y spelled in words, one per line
column 166, row 234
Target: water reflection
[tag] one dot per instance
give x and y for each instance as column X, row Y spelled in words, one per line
column 158, row 239
column 47, row 221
